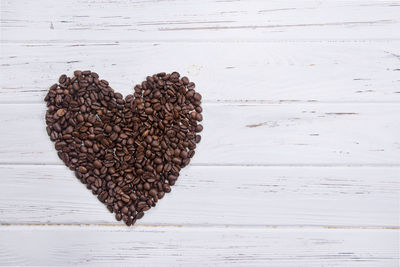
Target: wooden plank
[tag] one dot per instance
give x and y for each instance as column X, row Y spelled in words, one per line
column 258, row 196
column 199, row 20
column 263, row 72
column 149, row 246
column 276, row 134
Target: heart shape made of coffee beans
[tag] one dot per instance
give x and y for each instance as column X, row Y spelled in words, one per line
column 128, row 152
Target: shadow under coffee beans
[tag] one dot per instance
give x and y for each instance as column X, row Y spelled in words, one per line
column 128, row 152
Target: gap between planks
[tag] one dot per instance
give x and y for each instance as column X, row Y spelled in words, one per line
column 242, row 102
column 88, row 42
column 317, row 165
column 238, row 102
column 197, row 226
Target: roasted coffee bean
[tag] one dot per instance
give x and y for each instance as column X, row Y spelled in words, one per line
column 199, row 128
column 166, row 188
column 140, row 215
column 82, row 169
column 125, row 198
column 153, row 192
column 198, row 138
column 146, row 186
column 127, row 151
column 97, row 164
column 125, row 210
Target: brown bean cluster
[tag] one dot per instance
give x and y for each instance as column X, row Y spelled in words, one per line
column 128, row 152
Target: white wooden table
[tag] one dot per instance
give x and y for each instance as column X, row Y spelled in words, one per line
column 299, row 163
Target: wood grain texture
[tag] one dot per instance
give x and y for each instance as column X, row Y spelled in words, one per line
column 276, row 134
column 216, row 196
column 198, row 20
column 233, row 72
column 149, row 246
column 300, row 157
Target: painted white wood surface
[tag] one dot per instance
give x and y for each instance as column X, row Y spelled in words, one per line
column 197, row 246
column 120, row 20
column 265, row 134
column 216, row 196
column 258, row 72
column 300, row 159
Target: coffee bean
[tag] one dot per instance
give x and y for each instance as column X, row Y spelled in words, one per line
column 61, row 112
column 82, row 169
column 140, row 215
column 88, row 143
column 199, row 128
column 166, row 188
column 183, row 154
column 127, row 151
column 159, row 168
column 57, row 127
column 108, row 129
column 116, row 128
column 97, row 164
column 146, row 186
column 197, row 96
column 185, row 80
column 198, row 138
column 125, row 198
column 62, row 78
column 153, row 192
column 177, row 161
column 125, row 210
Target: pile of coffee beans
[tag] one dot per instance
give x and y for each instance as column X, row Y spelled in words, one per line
column 127, row 151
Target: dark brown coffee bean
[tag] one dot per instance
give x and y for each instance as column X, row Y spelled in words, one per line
column 183, row 154
column 88, row 143
column 198, row 138
column 108, row 129
column 116, row 128
column 166, row 188
column 61, row 112
column 185, row 80
column 176, row 160
column 197, row 96
column 146, row 186
column 82, row 169
column 140, row 215
column 97, row 164
column 141, row 205
column 159, row 168
column 153, row 192
column 199, row 128
column 191, row 85
column 129, row 177
column 57, row 127
column 62, row 78
column 125, row 198
column 125, row 210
